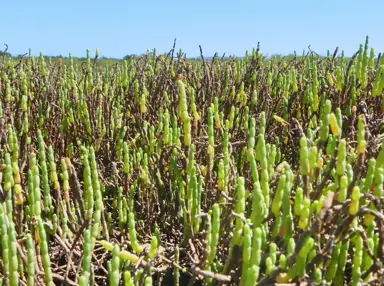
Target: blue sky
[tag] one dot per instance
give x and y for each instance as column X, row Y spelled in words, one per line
column 118, row 28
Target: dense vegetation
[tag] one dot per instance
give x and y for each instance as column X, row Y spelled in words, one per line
column 159, row 170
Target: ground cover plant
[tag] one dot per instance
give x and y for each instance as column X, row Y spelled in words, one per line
column 159, row 170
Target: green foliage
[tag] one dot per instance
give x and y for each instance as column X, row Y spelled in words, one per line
column 248, row 171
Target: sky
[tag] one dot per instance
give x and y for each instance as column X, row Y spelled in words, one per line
column 120, row 28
